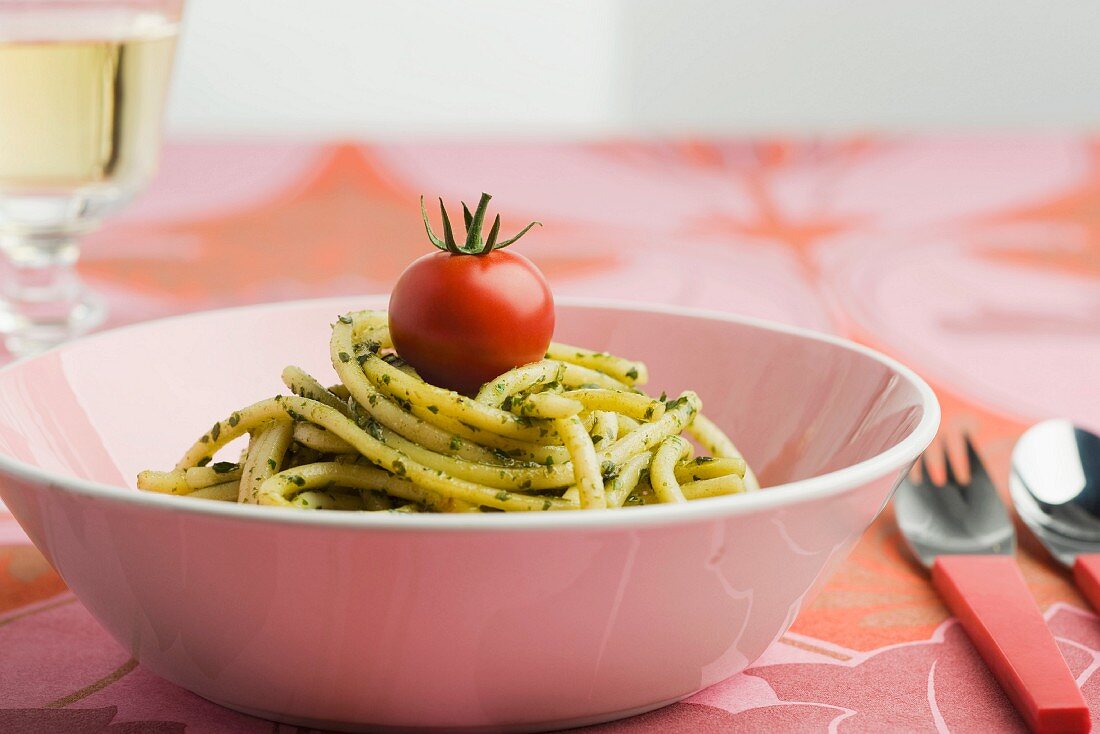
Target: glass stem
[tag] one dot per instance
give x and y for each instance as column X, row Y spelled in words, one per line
column 44, row 301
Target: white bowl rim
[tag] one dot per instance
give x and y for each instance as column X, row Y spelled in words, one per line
column 822, row 485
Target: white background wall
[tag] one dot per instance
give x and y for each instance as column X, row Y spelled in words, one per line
column 456, row 68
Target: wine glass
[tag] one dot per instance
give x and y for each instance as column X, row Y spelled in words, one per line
column 82, row 91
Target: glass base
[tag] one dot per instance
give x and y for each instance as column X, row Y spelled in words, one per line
column 28, row 328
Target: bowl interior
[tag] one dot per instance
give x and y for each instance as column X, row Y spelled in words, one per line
column 105, row 408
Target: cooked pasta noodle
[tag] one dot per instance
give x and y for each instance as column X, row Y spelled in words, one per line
column 715, row 441
column 226, row 491
column 572, row 431
column 586, row 465
column 662, row 472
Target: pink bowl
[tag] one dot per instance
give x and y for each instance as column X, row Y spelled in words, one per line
column 520, row 621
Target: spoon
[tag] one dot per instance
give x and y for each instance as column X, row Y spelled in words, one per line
column 1055, row 486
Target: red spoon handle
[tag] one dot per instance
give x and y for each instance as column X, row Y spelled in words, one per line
column 992, row 602
column 1086, row 572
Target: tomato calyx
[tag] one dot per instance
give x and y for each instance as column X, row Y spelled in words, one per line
column 474, row 224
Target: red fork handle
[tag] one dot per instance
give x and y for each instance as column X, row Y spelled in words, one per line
column 989, row 597
column 1086, row 572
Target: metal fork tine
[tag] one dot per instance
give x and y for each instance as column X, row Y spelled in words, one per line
column 977, row 469
column 922, row 471
column 979, row 490
column 949, row 470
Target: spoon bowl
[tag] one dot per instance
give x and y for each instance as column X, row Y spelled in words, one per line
column 1055, row 486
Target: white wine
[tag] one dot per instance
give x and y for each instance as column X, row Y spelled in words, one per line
column 81, row 99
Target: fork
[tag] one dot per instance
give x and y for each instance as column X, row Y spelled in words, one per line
column 964, row 535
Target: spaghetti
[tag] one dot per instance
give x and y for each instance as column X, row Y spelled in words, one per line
column 572, row 431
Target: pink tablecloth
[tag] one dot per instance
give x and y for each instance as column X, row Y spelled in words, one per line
column 976, row 261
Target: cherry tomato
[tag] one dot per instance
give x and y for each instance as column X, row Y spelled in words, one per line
column 463, row 316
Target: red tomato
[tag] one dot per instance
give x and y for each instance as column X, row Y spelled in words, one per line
column 461, row 319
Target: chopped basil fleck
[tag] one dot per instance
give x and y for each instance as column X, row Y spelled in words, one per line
column 433, row 408
column 216, row 431
column 503, row 496
column 203, row 461
column 224, row 467
column 386, row 379
column 345, row 319
column 374, row 428
column 399, row 468
column 234, row 420
column 673, row 404
column 344, row 357
column 272, row 465
column 296, row 480
column 632, row 373
column 456, row 443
